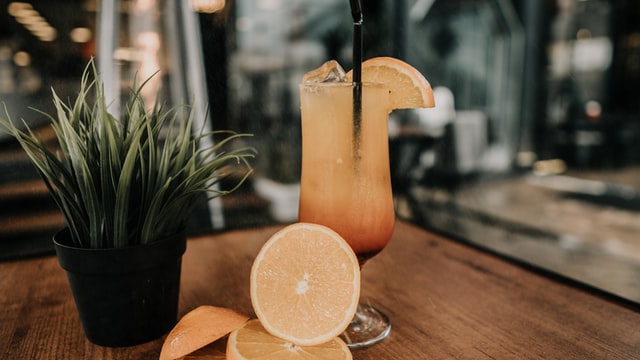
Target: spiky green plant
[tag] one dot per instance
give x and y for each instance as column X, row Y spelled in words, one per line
column 128, row 181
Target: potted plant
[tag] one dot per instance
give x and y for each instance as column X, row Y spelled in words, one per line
column 126, row 187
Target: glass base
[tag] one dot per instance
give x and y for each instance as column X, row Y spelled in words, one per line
column 369, row 326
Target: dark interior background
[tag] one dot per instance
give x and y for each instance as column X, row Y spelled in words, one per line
column 531, row 153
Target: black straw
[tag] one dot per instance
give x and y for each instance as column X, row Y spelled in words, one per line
column 356, row 13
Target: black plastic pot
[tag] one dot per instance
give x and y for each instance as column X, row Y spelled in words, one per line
column 124, row 296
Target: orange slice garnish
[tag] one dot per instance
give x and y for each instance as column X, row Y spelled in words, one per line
column 409, row 88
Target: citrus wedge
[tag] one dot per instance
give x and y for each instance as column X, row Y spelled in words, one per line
column 409, row 88
column 305, row 284
column 252, row 341
column 199, row 327
column 214, row 351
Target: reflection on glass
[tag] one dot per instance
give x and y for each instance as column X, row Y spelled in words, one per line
column 564, row 196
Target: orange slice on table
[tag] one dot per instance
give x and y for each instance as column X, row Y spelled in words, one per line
column 252, row 341
column 198, row 328
column 409, row 88
column 305, row 284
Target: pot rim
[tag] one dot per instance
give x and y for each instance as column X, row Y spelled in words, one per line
column 118, row 260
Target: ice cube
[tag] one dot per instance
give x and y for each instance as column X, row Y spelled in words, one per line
column 330, row 71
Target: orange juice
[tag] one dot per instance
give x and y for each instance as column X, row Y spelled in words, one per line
column 345, row 182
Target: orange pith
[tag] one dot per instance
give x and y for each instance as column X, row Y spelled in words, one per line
column 252, row 341
column 305, row 284
column 409, row 88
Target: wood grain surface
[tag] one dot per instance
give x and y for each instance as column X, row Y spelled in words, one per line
column 445, row 300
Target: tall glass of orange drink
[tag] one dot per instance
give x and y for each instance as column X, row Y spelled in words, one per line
column 345, row 181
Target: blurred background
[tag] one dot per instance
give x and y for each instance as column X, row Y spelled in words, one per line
column 532, row 152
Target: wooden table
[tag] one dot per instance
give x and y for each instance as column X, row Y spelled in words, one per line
column 446, row 300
